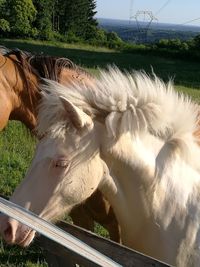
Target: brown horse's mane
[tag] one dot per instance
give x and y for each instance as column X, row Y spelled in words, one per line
column 42, row 66
column 50, row 67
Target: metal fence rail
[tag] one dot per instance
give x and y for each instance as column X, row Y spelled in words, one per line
column 58, row 255
column 54, row 233
column 66, row 245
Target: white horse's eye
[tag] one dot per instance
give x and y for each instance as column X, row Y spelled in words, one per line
column 62, row 163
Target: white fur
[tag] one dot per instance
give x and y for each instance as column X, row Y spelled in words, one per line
column 138, row 101
column 143, row 130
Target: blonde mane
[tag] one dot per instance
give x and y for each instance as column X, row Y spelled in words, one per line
column 128, row 103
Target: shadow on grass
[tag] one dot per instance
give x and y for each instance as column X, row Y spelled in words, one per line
column 183, row 72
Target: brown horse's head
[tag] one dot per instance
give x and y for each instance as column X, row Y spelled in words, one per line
column 18, row 88
column 21, row 75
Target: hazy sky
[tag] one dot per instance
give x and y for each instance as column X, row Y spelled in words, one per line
column 171, row 11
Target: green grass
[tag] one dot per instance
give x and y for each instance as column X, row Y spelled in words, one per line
column 15, row 256
column 17, row 146
column 192, row 92
column 184, row 73
column 16, row 149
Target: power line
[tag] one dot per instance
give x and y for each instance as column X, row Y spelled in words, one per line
column 189, row 21
column 131, row 10
column 131, row 7
column 162, row 7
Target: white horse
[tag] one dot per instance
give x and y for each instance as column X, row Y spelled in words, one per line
column 131, row 137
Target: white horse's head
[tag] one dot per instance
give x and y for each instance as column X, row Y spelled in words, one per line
column 65, row 171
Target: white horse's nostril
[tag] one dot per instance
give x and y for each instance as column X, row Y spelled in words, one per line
column 8, row 232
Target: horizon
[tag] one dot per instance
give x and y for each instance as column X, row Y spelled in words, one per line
column 166, row 23
column 177, row 12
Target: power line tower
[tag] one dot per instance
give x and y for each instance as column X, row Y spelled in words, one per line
column 143, row 20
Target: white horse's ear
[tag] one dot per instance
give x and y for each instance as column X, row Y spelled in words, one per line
column 78, row 118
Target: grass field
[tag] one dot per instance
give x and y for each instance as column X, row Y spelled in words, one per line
column 17, row 146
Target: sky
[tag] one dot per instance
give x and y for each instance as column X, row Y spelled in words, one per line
column 167, row 11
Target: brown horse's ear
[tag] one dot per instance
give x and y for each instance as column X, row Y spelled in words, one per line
column 78, row 118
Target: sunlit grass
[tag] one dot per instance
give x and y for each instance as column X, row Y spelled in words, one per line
column 16, row 150
column 194, row 93
column 28, row 43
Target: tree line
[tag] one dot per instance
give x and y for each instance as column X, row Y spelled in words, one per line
column 44, row 18
column 62, row 20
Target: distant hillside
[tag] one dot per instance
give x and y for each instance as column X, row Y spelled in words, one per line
column 128, row 31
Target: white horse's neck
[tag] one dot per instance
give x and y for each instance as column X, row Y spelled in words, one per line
column 131, row 209
column 132, row 166
column 131, row 176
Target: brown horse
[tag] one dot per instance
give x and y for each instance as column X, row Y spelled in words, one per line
column 21, row 75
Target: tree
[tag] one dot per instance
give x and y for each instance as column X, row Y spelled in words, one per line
column 43, row 21
column 20, row 14
column 2, row 3
column 196, row 41
column 4, row 24
column 42, row 17
column 77, row 16
column 113, row 40
column 72, row 17
column 91, row 29
column 92, row 12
